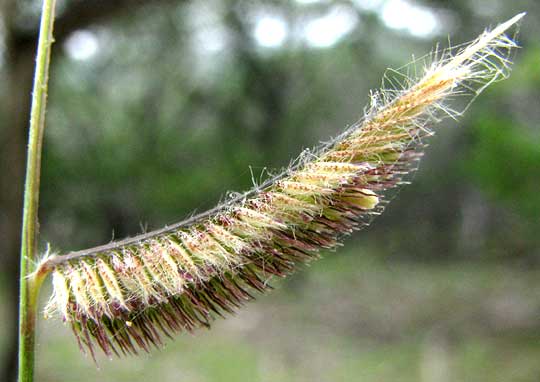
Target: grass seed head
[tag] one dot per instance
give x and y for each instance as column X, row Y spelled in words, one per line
column 124, row 296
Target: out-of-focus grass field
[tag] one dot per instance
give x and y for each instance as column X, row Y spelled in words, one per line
column 350, row 317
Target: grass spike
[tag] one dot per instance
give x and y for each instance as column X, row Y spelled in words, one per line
column 124, row 296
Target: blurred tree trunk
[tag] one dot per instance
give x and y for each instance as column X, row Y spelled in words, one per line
column 19, row 63
column 265, row 86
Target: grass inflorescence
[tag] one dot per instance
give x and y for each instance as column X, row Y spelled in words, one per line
column 124, row 296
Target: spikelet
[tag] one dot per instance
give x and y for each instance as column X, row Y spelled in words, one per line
column 126, row 295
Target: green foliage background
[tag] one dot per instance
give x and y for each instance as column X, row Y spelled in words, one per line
column 444, row 286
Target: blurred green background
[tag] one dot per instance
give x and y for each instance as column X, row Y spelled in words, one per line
column 157, row 108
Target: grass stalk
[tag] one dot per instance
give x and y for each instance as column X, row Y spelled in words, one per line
column 30, row 281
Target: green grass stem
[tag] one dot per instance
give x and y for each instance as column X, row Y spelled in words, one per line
column 30, row 281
